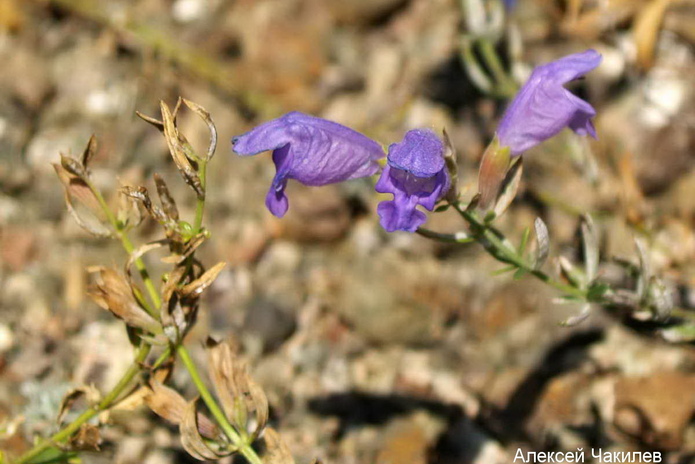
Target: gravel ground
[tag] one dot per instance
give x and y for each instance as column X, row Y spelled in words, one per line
column 372, row 347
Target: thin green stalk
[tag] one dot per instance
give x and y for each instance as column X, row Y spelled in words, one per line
column 245, row 448
column 490, row 239
column 129, row 248
column 447, row 238
column 142, row 353
column 91, row 412
column 505, row 87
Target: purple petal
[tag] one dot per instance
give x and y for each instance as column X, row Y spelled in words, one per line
column 322, row 151
column 312, row 150
column 395, row 216
column 543, row 107
column 410, row 190
column 421, row 153
column 276, row 200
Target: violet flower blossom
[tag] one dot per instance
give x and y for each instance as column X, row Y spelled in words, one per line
column 510, row 4
column 415, row 174
column 312, row 150
column 543, row 107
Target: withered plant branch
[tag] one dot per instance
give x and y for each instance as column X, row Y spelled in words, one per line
column 200, row 202
column 244, row 448
column 108, row 400
column 129, row 248
column 499, row 247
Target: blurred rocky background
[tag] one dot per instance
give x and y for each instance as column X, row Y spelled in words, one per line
column 373, row 347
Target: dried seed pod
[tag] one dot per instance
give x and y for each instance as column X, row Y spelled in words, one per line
column 509, row 187
column 167, row 201
column 73, row 166
column 238, row 393
column 191, row 438
column 88, row 393
column 198, row 286
column 205, row 116
column 493, row 168
column 181, row 152
column 87, row 438
column 160, row 215
column 165, row 402
column 129, row 213
column 82, row 203
column 156, row 122
column 114, row 293
column 168, row 404
column 89, row 151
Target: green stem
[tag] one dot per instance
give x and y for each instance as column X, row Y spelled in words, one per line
column 129, row 248
column 246, row 450
column 88, row 414
column 505, row 87
column 490, row 239
column 447, row 238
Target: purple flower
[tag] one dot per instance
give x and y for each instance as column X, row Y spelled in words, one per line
column 312, row 150
column 415, row 174
column 543, row 107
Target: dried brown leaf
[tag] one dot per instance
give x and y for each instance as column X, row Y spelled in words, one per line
column 87, row 438
column 187, row 249
column 645, row 31
column 86, row 219
column 115, row 294
column 73, row 166
column 221, row 357
column 199, row 285
column 205, row 116
column 191, row 438
column 239, row 394
column 166, row 402
column 89, row 393
column 180, row 152
column 277, row 451
column 140, row 251
column 148, row 119
column 167, row 201
column 156, row 122
column 510, row 187
column 142, row 195
column 89, row 151
column 257, row 401
column 172, row 284
column 82, row 204
column 129, row 213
